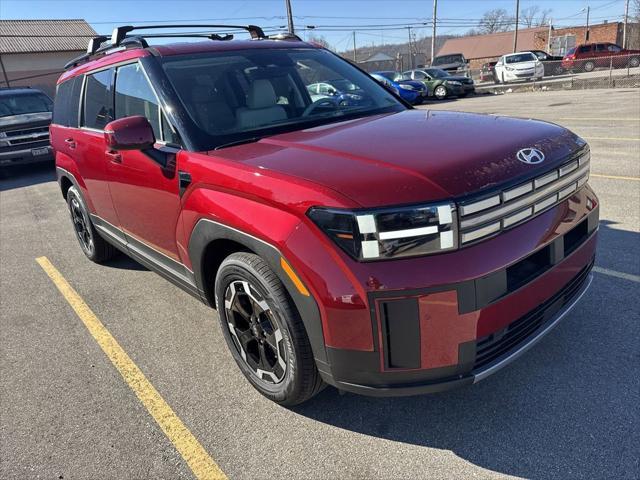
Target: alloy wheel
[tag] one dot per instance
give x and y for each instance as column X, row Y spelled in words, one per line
column 255, row 331
column 81, row 225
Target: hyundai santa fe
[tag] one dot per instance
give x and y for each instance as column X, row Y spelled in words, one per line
column 367, row 245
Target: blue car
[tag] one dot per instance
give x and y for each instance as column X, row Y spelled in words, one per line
column 411, row 91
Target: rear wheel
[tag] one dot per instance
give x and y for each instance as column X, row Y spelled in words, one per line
column 440, row 92
column 634, row 62
column 93, row 245
column 264, row 331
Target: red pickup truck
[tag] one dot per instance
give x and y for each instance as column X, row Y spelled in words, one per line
column 361, row 245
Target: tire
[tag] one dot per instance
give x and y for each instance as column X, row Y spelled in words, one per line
column 588, row 66
column 262, row 328
column 558, row 70
column 440, row 92
column 634, row 62
column 96, row 248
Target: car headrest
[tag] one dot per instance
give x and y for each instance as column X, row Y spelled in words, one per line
column 261, row 94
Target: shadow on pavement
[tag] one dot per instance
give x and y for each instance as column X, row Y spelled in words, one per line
column 566, row 409
column 26, row 175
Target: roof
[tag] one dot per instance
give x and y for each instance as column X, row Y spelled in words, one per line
column 34, row 36
column 491, row 45
column 5, row 92
column 378, row 57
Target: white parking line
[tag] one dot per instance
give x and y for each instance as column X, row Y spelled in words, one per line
column 613, row 273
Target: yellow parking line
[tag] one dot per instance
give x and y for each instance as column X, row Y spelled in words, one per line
column 615, row 177
column 617, row 139
column 201, row 464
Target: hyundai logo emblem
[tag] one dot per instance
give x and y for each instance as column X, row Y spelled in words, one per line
column 530, row 156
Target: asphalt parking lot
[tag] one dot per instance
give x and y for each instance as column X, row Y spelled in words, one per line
column 568, row 409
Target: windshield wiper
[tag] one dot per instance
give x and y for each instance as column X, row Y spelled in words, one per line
column 239, row 142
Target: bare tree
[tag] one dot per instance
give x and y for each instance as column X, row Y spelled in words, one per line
column 320, row 41
column 635, row 10
column 534, row 17
column 528, row 15
column 496, row 20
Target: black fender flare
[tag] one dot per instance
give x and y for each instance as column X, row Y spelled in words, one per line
column 207, row 231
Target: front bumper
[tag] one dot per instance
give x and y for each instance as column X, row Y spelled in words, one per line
column 26, row 155
column 434, row 323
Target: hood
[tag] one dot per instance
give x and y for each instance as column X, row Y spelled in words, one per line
column 410, row 157
column 458, row 78
column 36, row 119
column 414, row 83
column 522, row 65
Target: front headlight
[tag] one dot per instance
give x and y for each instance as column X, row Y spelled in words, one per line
column 453, row 82
column 407, row 87
column 510, row 69
column 390, row 233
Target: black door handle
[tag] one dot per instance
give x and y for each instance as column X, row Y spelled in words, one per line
column 184, row 180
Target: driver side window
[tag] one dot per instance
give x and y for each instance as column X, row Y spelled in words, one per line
column 418, row 75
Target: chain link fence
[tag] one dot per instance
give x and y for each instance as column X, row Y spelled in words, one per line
column 605, row 71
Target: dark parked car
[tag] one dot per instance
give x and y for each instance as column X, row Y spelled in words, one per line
column 25, row 115
column 441, row 84
column 381, row 249
column 552, row 64
column 454, row 63
column 585, row 58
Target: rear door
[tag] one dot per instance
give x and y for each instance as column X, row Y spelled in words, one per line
column 145, row 194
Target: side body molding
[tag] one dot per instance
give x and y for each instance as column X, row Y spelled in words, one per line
column 207, row 231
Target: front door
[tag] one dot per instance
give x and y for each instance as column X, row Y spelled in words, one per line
column 145, row 194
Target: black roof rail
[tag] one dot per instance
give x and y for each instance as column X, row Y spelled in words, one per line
column 95, row 43
column 119, row 33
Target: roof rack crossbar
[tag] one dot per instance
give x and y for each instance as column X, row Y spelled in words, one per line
column 119, row 33
column 95, row 43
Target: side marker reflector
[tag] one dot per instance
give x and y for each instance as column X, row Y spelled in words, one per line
column 294, row 278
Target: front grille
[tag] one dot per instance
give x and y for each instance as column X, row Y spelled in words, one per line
column 508, row 208
column 27, row 135
column 493, row 346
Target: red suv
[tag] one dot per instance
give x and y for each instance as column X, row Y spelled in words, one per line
column 586, row 58
column 362, row 245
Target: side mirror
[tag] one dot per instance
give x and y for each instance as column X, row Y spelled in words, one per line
column 129, row 133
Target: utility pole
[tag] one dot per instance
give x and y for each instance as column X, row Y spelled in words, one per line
column 433, row 32
column 515, row 33
column 586, row 34
column 549, row 36
column 626, row 20
column 355, row 60
column 290, row 17
column 410, row 48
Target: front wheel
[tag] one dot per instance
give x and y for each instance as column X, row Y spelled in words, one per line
column 589, row 66
column 264, row 332
column 96, row 248
column 440, row 92
column 634, row 62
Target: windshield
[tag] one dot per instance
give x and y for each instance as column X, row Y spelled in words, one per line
column 571, row 51
column 521, row 57
column 447, row 59
column 24, row 103
column 437, row 73
column 245, row 95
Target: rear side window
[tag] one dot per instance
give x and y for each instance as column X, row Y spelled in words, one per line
column 98, row 104
column 134, row 96
column 67, row 102
column 585, row 49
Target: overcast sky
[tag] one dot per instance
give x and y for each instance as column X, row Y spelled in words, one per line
column 334, row 19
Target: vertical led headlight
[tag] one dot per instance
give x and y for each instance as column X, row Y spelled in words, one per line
column 390, row 233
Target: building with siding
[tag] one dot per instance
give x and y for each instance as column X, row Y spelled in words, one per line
column 34, row 52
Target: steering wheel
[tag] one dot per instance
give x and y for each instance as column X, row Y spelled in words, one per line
column 323, row 102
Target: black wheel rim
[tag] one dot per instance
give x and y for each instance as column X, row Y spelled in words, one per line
column 81, row 224
column 255, row 331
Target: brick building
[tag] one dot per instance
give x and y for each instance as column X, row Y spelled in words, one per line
column 34, row 52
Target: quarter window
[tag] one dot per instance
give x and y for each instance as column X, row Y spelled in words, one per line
column 65, row 108
column 134, row 96
column 98, row 104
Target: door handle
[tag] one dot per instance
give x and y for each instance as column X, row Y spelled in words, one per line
column 113, row 156
column 70, row 142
